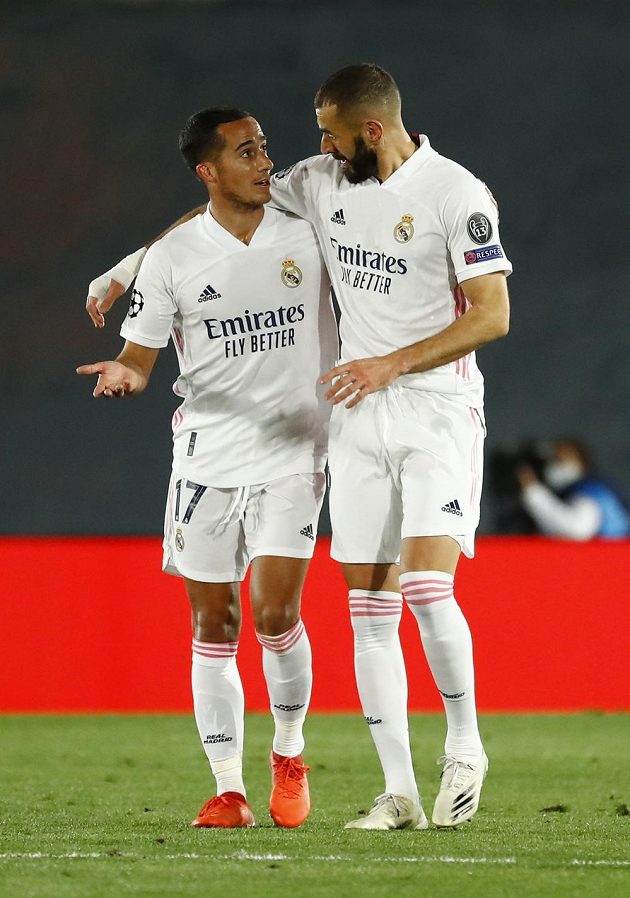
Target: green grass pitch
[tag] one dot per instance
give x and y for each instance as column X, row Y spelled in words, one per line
column 100, row 806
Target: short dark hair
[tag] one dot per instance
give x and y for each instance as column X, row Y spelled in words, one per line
column 358, row 85
column 199, row 138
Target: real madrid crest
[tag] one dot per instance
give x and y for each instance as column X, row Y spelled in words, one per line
column 179, row 540
column 290, row 275
column 403, row 232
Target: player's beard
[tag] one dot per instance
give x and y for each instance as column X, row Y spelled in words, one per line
column 241, row 204
column 364, row 163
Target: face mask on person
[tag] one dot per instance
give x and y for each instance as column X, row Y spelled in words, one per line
column 560, row 474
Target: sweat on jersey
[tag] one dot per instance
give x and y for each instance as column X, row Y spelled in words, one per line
column 399, row 253
column 254, row 330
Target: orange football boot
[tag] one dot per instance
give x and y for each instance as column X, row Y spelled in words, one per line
column 290, row 801
column 227, row 811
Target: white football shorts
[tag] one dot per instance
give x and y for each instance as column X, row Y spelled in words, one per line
column 403, row 463
column 212, row 534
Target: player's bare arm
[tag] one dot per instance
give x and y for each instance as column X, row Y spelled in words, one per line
column 104, row 290
column 486, row 320
column 127, row 374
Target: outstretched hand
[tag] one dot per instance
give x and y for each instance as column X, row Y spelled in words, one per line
column 96, row 308
column 114, row 379
column 359, row 378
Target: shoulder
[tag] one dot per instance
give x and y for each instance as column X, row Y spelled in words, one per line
column 322, row 165
column 177, row 243
column 287, row 221
column 456, row 194
column 450, row 177
column 289, row 225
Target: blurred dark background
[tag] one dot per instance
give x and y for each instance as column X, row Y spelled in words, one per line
column 532, row 97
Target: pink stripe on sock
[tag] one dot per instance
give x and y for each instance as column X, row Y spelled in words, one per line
column 369, row 606
column 214, row 649
column 377, row 609
column 426, row 591
column 428, row 601
column 375, row 613
column 284, row 641
column 442, row 583
column 420, row 595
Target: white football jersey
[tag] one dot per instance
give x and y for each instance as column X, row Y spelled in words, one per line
column 254, row 330
column 399, row 253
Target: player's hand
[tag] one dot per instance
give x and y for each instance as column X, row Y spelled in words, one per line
column 114, row 379
column 96, row 308
column 355, row 380
column 107, row 288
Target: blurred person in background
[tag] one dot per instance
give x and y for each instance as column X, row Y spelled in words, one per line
column 567, row 499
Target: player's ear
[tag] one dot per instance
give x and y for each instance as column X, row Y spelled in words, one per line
column 373, row 131
column 206, row 172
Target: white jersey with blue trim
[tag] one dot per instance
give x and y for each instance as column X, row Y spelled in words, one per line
column 254, row 330
column 399, row 253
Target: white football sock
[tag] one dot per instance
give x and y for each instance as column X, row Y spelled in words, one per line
column 448, row 647
column 219, row 708
column 382, row 683
column 289, row 676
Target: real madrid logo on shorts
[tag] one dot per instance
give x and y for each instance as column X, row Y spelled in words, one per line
column 179, row 540
column 403, row 232
column 290, row 275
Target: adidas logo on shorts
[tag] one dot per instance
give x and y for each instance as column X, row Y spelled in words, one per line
column 308, row 531
column 453, row 508
column 337, row 217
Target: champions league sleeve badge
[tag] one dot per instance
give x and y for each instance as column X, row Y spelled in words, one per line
column 479, row 228
column 136, row 304
column 403, row 232
column 291, row 276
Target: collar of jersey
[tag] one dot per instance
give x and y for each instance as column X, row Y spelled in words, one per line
column 227, row 240
column 416, row 160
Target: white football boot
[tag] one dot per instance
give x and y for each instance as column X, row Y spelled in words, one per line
column 460, row 790
column 392, row 812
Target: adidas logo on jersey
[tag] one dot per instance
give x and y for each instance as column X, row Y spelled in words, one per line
column 308, row 531
column 453, row 508
column 208, row 293
column 338, row 218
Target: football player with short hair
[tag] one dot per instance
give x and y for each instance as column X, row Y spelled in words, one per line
column 412, row 247
column 244, row 294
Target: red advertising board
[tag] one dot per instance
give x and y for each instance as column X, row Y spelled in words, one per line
column 92, row 624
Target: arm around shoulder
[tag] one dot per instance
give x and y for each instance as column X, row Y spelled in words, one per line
column 104, row 290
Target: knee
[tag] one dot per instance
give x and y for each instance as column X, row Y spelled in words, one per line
column 211, row 625
column 275, row 621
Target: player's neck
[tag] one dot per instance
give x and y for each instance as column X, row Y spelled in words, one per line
column 240, row 221
column 394, row 151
